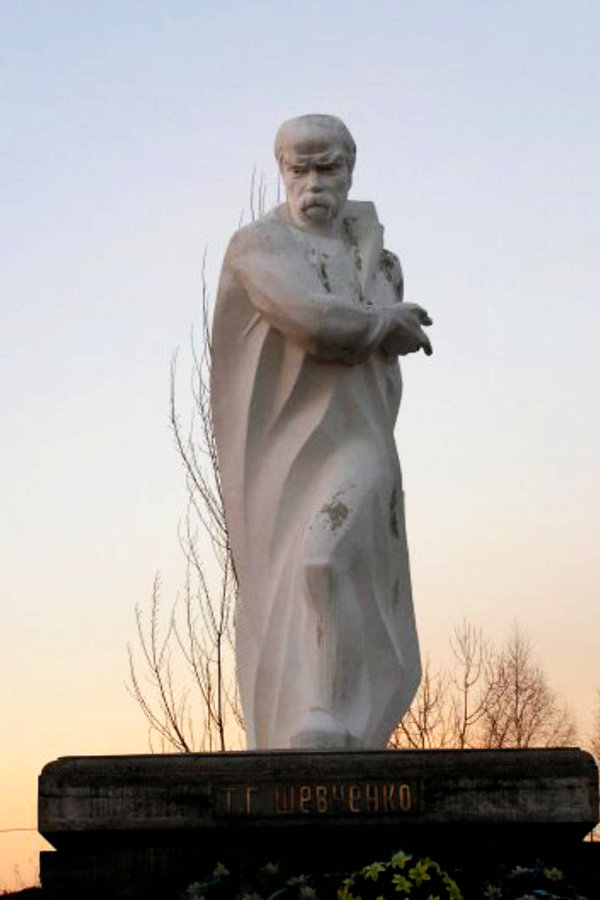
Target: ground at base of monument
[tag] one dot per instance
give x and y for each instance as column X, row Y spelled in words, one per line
column 167, row 873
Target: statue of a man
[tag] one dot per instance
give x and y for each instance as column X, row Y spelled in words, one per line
column 306, row 387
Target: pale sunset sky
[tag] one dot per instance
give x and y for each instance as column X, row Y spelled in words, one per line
column 129, row 134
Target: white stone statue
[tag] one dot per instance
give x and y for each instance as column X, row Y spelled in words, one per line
column 308, row 328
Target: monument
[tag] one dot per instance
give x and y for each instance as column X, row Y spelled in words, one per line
column 309, row 324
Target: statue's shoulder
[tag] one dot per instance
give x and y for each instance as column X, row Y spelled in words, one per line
column 268, row 234
column 361, row 212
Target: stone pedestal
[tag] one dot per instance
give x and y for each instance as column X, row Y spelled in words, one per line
column 131, row 826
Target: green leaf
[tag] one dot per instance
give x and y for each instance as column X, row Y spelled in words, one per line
column 307, row 892
column 372, row 872
column 400, row 859
column 221, row 871
column 453, row 888
column 344, row 893
column 553, row 874
column 401, row 884
column 419, row 872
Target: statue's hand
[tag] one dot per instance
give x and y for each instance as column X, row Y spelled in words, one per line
column 405, row 334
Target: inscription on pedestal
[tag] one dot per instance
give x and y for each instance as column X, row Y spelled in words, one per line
column 333, row 798
column 162, row 798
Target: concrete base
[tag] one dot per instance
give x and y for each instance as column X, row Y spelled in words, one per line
column 131, row 824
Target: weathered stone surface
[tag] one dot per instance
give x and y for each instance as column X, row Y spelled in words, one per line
column 144, row 798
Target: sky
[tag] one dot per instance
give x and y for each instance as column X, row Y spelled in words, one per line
column 130, row 133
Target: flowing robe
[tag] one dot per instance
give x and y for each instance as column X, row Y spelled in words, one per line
column 304, row 405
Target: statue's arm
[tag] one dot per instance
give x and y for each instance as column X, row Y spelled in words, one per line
column 329, row 326
column 406, row 335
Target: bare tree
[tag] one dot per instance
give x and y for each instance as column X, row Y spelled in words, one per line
column 490, row 698
column 182, row 670
column 425, row 725
column 183, row 674
column 475, row 684
column 449, row 707
column 523, row 711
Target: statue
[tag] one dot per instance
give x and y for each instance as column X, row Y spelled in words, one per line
column 306, row 386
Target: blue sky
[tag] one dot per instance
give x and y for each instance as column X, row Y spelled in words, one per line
column 130, row 132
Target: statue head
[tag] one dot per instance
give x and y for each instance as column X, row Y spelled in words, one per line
column 316, row 155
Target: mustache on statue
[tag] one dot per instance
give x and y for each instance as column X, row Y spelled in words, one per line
column 319, row 200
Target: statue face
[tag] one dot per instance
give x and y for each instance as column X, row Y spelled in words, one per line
column 316, row 175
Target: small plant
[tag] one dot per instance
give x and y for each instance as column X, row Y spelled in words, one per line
column 269, row 882
column 537, row 882
column 401, row 876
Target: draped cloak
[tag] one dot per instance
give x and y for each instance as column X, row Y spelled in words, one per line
column 304, row 405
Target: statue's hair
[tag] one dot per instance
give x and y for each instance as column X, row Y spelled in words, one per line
column 324, row 121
